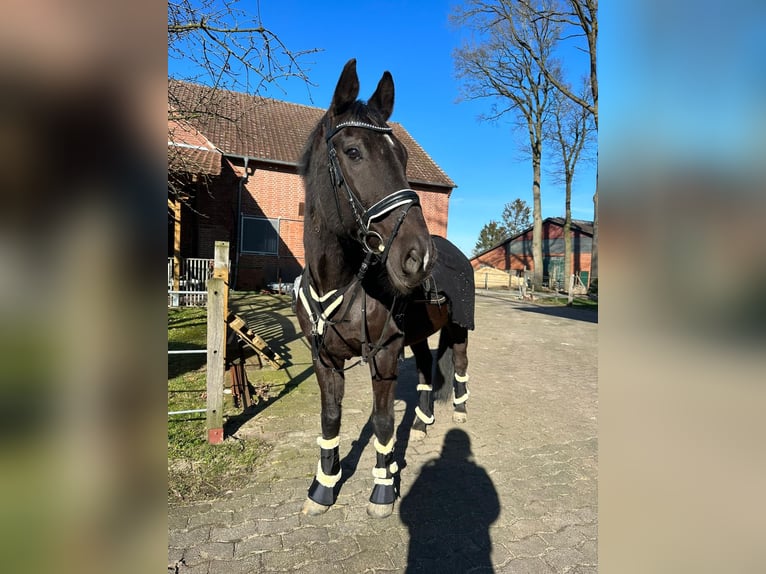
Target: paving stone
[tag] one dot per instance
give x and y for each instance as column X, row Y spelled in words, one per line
column 529, row 547
column 336, row 550
column 304, row 536
column 369, row 560
column 209, row 551
column 186, row 538
column 527, row 566
column 563, row 559
column 190, row 509
column 258, row 544
column 212, row 518
column 233, row 533
column 285, row 560
column 247, row 565
column 278, row 525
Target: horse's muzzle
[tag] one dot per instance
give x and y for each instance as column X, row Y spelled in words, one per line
column 413, row 266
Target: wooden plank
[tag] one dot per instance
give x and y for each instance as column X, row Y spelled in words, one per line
column 216, row 357
column 254, row 341
column 221, row 270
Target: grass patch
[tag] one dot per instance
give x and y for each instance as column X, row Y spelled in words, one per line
column 577, row 302
column 196, row 469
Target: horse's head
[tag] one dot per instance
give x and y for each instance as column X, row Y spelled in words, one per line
column 368, row 196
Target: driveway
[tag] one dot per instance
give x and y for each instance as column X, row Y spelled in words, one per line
column 514, row 489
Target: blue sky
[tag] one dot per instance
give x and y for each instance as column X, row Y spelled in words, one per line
column 414, row 41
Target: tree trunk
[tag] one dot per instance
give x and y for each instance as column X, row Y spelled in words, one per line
column 568, row 263
column 537, row 225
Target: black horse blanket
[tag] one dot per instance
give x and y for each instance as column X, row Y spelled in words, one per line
column 453, row 276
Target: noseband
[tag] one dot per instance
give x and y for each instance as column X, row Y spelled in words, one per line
column 364, row 217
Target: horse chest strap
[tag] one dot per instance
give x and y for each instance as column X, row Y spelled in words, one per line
column 319, row 313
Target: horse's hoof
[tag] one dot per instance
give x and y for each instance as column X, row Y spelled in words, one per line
column 311, row 508
column 417, row 434
column 459, row 417
column 380, row 510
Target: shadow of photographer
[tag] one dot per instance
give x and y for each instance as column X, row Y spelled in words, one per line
column 449, row 510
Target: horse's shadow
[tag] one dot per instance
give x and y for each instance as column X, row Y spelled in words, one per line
column 406, row 392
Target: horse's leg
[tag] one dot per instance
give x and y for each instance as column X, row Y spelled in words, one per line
column 384, row 371
column 459, row 337
column 424, row 410
column 322, row 493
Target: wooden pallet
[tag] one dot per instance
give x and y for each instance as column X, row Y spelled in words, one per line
column 254, row 341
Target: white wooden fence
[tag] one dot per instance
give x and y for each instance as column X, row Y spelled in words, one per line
column 192, row 292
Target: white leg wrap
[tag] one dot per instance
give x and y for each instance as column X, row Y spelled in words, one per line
column 325, row 479
column 462, row 399
column 384, row 481
column 384, row 448
column 424, row 387
column 461, row 378
column 328, row 443
column 393, row 468
column 421, row 415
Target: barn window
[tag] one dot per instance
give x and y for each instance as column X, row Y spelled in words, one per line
column 260, row 235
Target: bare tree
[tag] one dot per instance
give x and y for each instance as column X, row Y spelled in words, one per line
column 579, row 20
column 219, row 45
column 570, row 131
column 503, row 67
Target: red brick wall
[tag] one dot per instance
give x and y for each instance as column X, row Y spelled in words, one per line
column 435, row 206
column 497, row 257
column 494, row 258
column 277, row 193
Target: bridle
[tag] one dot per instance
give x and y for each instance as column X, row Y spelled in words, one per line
column 364, row 217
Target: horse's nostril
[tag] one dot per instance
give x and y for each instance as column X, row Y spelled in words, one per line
column 413, row 262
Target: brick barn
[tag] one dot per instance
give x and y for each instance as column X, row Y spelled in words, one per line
column 233, row 161
column 514, row 253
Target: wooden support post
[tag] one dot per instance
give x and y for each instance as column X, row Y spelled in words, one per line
column 524, row 284
column 217, row 311
column 176, row 205
column 216, row 357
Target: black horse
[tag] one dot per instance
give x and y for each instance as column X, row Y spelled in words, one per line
column 375, row 280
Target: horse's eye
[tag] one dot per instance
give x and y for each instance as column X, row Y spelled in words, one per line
column 353, row 153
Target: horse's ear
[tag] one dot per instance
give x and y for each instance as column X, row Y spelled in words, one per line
column 383, row 98
column 347, row 89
